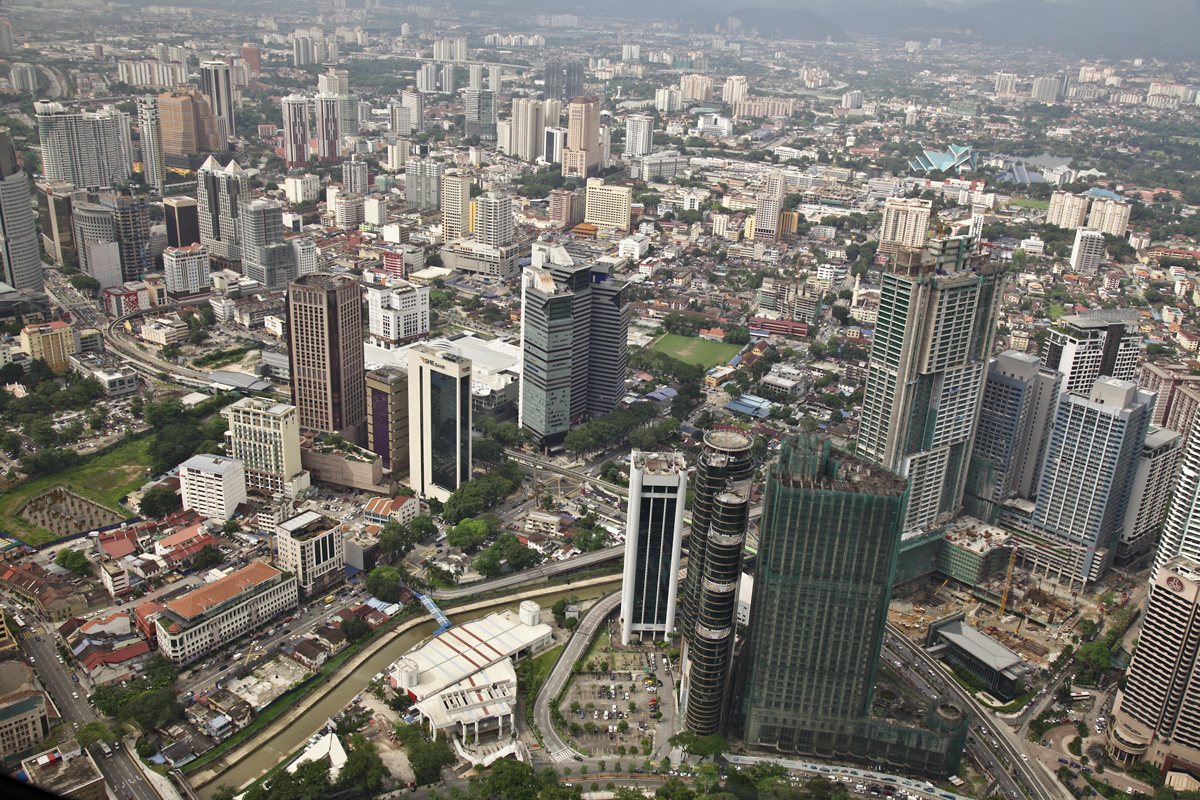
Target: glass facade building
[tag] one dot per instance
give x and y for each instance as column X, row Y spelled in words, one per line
column 653, row 542
column 439, row 419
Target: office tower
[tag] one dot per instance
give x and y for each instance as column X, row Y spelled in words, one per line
column 355, row 175
column 325, row 345
column 54, row 201
column 1109, row 216
column 397, row 312
column 264, row 435
column 154, row 166
column 1087, row 477
column 185, row 272
column 639, row 135
column 904, row 223
column 414, row 101
column 212, row 485
column 720, row 513
column 439, row 419
column 653, row 542
column 427, row 76
column 582, row 157
column 131, row 226
column 21, row 259
column 1180, row 534
column 219, row 195
column 217, row 85
column 1067, row 210
column 189, row 124
column 1045, row 90
column 456, row 205
column 96, row 243
column 266, row 258
column 495, row 78
column 494, row 223
column 563, row 80
column 554, row 145
column 528, row 128
column 183, row 221
column 23, row 78
column 329, row 127
column 89, row 149
column 1154, row 717
column 423, row 183
column 605, row 147
column 387, row 417
column 1006, row 83
column 397, row 154
column 736, row 89
column 312, row 547
column 479, row 108
column 1088, row 251
column 770, row 207
column 574, row 329
column 446, row 79
column 252, row 55
column 7, row 45
column 1153, row 482
column 1086, row 348
column 925, row 377
column 852, row 100
column 475, row 76
column 567, row 207
column 608, row 206
column 296, row 131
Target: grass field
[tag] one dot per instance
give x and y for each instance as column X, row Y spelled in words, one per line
column 1025, row 202
column 105, row 478
column 696, row 351
column 1055, row 311
column 539, row 670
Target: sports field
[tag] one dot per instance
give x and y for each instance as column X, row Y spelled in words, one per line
column 1027, row 202
column 696, row 351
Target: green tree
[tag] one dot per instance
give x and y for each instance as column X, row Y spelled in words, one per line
column 468, row 533
column 92, row 732
column 422, row 527
column 363, row 771
column 158, row 502
column 207, row 558
column 384, row 583
column 73, row 560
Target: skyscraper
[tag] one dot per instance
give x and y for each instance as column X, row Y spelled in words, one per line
column 131, row 224
column 1181, row 529
column 439, row 419
column 574, row 330
column 653, row 543
column 397, row 312
column 528, row 128
column 1087, row 477
column 423, row 183
column 608, row 206
column 1086, row 348
column 1088, row 251
column 494, row 223
column 266, row 258
column 479, row 109
column 936, row 324
column 96, row 243
column 387, row 417
column 296, row 131
column 639, row 135
column 183, row 221
column 1154, row 717
column 217, row 84
column 88, row 149
column 325, row 345
column 1045, row 90
column 582, row 158
column 21, row 259
column 1153, row 483
column 770, row 207
column 219, row 195
column 355, row 176
column 720, row 513
column 563, row 80
column 264, row 435
column 446, row 79
column 185, row 272
column 456, row 205
column 414, row 101
column 7, row 47
column 427, row 76
column 1110, row 216
column 154, row 167
column 189, row 124
column 1068, row 210
column 904, row 223
column 329, row 126
column 736, row 89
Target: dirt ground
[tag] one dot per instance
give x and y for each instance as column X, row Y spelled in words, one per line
column 391, row 753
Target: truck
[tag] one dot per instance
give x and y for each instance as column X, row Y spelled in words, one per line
column 104, row 748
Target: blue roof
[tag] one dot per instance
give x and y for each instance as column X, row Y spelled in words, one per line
column 733, row 362
column 957, row 157
column 1017, row 173
column 751, row 404
column 1096, row 191
column 665, row 393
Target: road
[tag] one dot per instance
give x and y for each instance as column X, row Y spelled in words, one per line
column 536, row 575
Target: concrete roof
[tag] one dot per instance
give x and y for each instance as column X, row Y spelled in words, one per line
column 209, row 463
column 982, row 646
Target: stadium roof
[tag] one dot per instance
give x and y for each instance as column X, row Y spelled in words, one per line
column 959, row 158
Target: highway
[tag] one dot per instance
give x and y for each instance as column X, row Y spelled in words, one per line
column 536, row 575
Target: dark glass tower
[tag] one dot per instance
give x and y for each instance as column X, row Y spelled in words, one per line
column 720, row 511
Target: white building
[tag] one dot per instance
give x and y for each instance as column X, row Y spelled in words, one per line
column 653, row 542
column 639, row 134
column 634, row 247
column 1088, row 251
column 88, row 149
column 264, row 435
column 311, row 546
column 186, row 272
column 397, row 312
column 212, row 485
column 302, row 189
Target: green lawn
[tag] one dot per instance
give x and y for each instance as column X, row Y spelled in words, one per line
column 539, row 670
column 1055, row 311
column 1026, row 202
column 105, row 478
column 696, row 351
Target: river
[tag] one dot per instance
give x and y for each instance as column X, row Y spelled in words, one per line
column 290, row 739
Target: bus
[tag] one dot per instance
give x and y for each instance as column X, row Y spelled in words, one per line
column 1076, row 696
column 20, row 621
column 104, row 748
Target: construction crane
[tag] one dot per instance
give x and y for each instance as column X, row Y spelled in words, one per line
column 1012, row 563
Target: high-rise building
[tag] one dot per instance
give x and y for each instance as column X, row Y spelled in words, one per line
column 446, row 79
column 904, row 223
column 439, row 419
column 7, row 45
column 252, row 56
column 563, row 80
column 355, row 176
column 296, row 131
column 264, row 435
column 414, row 101
column 1154, row 716
column 266, row 258
column 88, row 149
column 653, row 543
column 329, row 126
column 1153, row 483
column 720, row 514
column 312, row 547
column 567, row 207
column 1087, row 478
column 185, row 272
column 852, row 100
column 1067, row 210
column 555, row 145
column 423, row 183
column 95, row 237
column 1109, row 216
column 528, row 128
column 668, row 100
column 217, row 84
column 397, row 154
column 349, row 210
column 1006, row 83
column 696, row 87
column 54, row 217
column 427, row 76
column 456, row 205
column 769, row 207
column 183, row 221
column 220, row 192
column 1180, row 534
column 736, row 89
column 608, row 206
column 1086, row 348
column 387, row 417
column 154, row 167
column 189, row 124
column 494, row 224
column 1045, row 90
column 397, row 312
column 639, row 135
column 574, row 329
column 131, row 227
column 325, row 345
column 23, row 78
column 582, row 158
column 479, row 109
column 53, row 342
column 936, row 324
column 475, row 76
column 19, row 255
column 212, row 485
column 1087, row 254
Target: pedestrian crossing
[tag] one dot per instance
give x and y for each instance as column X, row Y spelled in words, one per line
column 562, row 755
